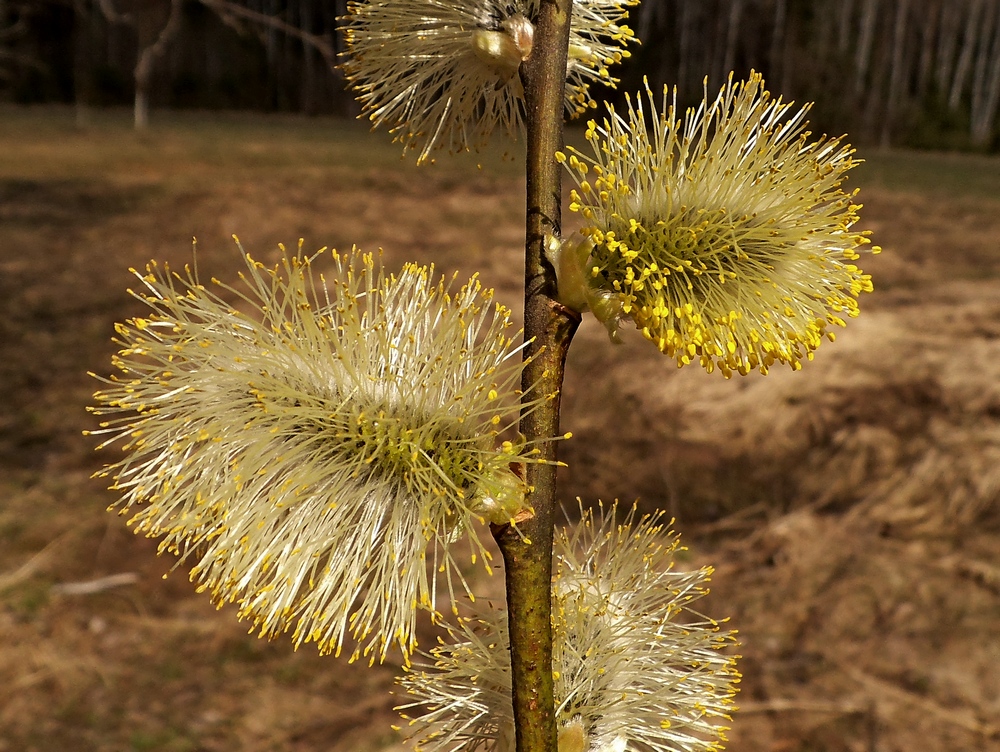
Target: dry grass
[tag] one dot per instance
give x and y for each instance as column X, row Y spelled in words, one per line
column 852, row 509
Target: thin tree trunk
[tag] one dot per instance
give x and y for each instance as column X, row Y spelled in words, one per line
column 866, row 36
column 732, row 35
column 148, row 53
column 778, row 40
column 988, row 123
column 964, row 64
column 140, row 109
column 845, row 13
column 982, row 64
column 685, row 32
column 928, row 34
column 984, row 117
column 897, row 78
column 650, row 17
column 271, row 52
column 340, row 7
column 83, row 61
column 950, row 28
column 309, row 98
column 289, row 61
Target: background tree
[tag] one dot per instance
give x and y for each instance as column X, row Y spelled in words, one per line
column 896, row 72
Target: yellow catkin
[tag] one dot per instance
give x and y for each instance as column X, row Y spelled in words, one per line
column 726, row 238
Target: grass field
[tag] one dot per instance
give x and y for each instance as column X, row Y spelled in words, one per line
column 852, row 510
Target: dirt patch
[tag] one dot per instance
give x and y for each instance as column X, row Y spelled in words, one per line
column 64, row 202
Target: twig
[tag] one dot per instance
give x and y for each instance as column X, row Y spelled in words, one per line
column 96, row 586
column 781, row 705
column 155, row 50
column 549, row 328
column 983, row 574
column 738, row 520
column 111, row 13
column 32, row 565
column 882, row 688
column 227, row 8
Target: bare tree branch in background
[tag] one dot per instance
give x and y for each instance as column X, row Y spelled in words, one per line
column 146, row 25
column 228, row 11
column 923, row 73
column 111, row 13
column 156, row 23
column 13, row 27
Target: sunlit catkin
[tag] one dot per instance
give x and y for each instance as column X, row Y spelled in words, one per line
column 727, row 237
column 634, row 667
column 444, row 73
column 307, row 440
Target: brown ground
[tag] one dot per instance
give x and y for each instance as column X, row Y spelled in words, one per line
column 852, row 510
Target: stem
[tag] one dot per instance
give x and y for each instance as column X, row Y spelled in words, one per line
column 527, row 551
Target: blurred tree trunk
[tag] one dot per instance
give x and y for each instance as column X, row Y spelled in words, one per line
column 866, row 36
column 270, row 8
column 14, row 29
column 157, row 22
column 982, row 59
column 732, row 36
column 685, row 33
column 287, row 78
column 83, row 61
column 650, row 19
column 986, row 82
column 897, row 77
column 778, row 41
column 928, row 34
column 308, row 99
column 336, row 31
column 964, row 65
column 950, row 30
column 873, row 59
column 845, row 14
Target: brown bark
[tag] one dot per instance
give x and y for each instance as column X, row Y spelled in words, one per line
column 527, row 550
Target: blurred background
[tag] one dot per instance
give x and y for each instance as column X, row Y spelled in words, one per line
column 903, row 72
column 852, row 510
